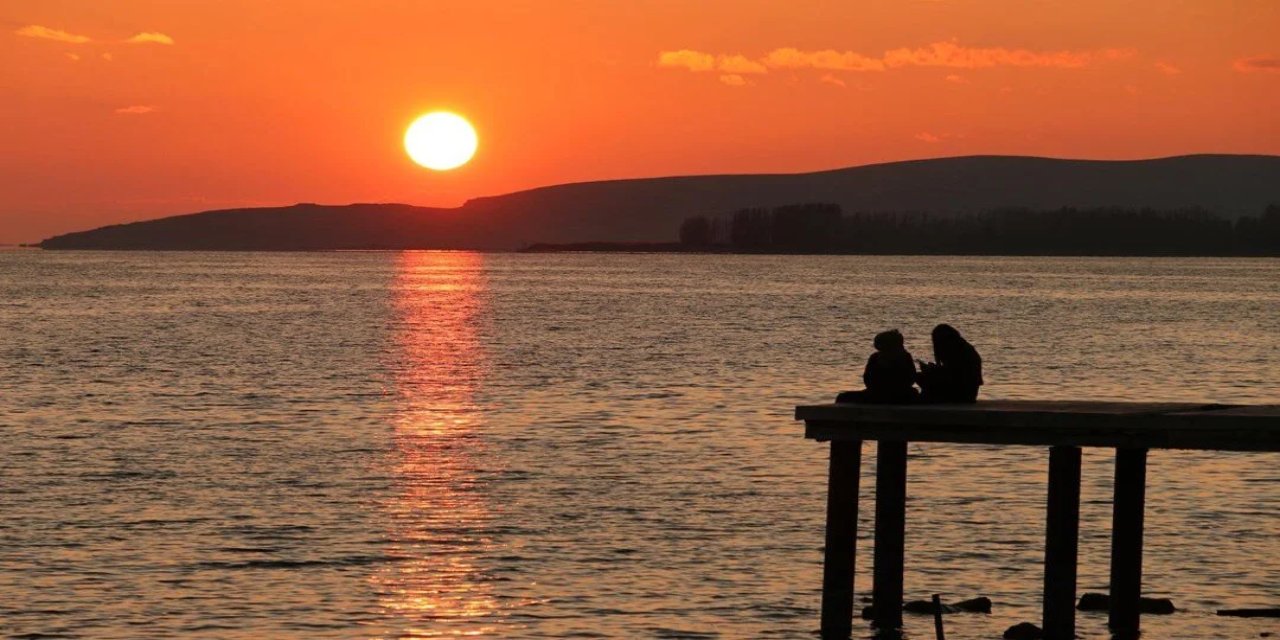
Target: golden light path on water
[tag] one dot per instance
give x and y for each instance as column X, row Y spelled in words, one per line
column 439, row 514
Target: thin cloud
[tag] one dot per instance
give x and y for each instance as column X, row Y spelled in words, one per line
column 739, row 64
column 832, row 80
column 700, row 61
column 74, row 57
column 947, row 54
column 108, row 57
column 1168, row 69
column 137, row 109
column 828, row 59
column 687, row 59
column 1257, row 63
column 934, row 138
column 733, row 80
column 150, row 37
column 951, row 54
column 37, row 31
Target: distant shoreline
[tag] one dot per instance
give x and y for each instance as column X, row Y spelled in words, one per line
column 644, row 248
column 676, row 247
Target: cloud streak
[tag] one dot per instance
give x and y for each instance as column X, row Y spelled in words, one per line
column 154, row 37
column 947, row 54
column 953, row 55
column 136, row 110
column 37, row 31
column 827, row 60
column 58, row 35
column 699, row 61
column 1257, row 63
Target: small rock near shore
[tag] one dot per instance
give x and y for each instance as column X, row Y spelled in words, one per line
column 1023, row 631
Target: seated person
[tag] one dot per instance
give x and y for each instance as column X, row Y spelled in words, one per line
column 956, row 375
column 889, row 375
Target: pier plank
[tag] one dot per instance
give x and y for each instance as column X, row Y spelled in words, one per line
column 1146, row 425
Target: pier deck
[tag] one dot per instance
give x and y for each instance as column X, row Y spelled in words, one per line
column 1131, row 428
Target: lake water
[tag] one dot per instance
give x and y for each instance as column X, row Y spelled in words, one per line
column 395, row 445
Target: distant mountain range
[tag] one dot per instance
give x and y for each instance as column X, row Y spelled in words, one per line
column 652, row 209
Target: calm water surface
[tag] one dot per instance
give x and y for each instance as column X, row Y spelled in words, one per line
column 395, row 445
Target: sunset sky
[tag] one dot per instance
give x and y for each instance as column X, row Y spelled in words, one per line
column 130, row 109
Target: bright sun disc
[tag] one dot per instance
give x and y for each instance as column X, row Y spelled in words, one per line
column 440, row 141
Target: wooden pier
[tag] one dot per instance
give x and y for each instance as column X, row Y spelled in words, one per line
column 1064, row 427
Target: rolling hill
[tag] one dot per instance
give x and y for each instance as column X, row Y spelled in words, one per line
column 651, row 209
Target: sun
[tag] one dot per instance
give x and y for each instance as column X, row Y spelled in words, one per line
column 440, row 140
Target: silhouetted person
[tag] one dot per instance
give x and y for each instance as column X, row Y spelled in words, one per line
column 956, row 375
column 890, row 374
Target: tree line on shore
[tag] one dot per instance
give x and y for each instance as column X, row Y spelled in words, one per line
column 824, row 228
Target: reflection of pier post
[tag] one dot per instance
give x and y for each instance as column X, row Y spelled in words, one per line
column 1128, row 427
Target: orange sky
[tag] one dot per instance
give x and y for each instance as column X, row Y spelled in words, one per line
column 133, row 109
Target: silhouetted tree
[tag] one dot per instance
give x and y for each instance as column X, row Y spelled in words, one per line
column 1009, row 231
column 696, row 231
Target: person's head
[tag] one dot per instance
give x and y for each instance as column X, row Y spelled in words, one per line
column 946, row 342
column 890, row 340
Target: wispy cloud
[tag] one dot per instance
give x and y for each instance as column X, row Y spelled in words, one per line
column 956, row 79
column 952, row 54
column 150, row 37
column 1258, row 63
column 733, row 80
column 739, row 64
column 827, row 59
column 1168, row 69
column 948, row 54
column 832, row 80
column 688, row 59
column 137, row 109
column 47, row 33
column 74, row 57
column 935, row 138
column 37, row 31
column 702, row 61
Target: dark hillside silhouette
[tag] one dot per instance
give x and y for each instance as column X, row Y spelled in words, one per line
column 652, row 210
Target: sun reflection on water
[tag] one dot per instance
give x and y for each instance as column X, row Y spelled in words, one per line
column 439, row 516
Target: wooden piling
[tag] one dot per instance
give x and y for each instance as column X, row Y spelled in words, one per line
column 1130, row 427
column 840, row 557
column 1126, row 540
column 891, row 512
column 1062, row 527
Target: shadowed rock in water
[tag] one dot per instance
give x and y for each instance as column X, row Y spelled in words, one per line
column 973, row 605
column 1251, row 613
column 1023, row 631
column 1102, row 602
column 925, row 607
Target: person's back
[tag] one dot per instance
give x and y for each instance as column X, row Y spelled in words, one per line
column 958, row 372
column 890, row 373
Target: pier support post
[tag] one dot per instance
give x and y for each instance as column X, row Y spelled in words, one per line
column 891, row 520
column 1062, row 528
column 1126, row 540
column 840, row 556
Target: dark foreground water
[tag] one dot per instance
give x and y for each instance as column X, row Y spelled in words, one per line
column 383, row 445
